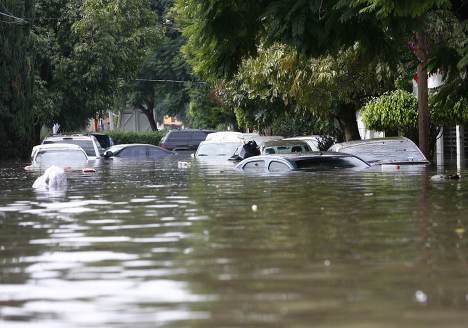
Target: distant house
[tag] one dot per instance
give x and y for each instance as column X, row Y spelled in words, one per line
column 134, row 120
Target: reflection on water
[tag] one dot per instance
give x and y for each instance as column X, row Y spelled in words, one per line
column 168, row 245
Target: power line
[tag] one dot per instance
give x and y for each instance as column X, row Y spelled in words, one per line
column 18, row 19
column 171, row 81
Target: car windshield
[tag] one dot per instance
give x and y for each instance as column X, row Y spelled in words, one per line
column 329, row 163
column 61, row 158
column 287, row 149
column 217, row 149
column 87, row 145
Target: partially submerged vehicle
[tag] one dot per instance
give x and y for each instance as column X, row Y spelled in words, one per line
column 316, row 142
column 381, row 151
column 230, row 136
column 312, row 161
column 284, row 147
column 186, row 139
column 61, row 155
column 137, row 151
column 89, row 143
column 217, row 150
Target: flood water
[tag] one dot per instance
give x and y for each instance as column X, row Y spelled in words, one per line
column 155, row 245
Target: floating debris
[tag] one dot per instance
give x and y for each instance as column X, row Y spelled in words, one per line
column 420, row 296
column 445, row 177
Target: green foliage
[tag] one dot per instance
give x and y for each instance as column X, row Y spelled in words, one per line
column 279, row 80
column 88, row 54
column 406, row 8
column 122, row 137
column 398, row 110
column 205, row 112
column 303, row 123
column 395, row 110
column 219, row 33
column 17, row 131
column 114, row 38
column 166, row 64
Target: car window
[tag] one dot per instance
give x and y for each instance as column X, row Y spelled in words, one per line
column 199, row 136
column 276, row 166
column 87, row 145
column 179, row 136
column 217, row 149
column 60, row 157
column 155, row 152
column 330, row 163
column 254, row 166
column 138, row 151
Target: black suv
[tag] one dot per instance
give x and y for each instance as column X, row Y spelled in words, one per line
column 187, row 139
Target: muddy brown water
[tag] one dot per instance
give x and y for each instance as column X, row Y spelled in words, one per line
column 167, row 245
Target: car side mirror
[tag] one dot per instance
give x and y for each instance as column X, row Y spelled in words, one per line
column 108, row 154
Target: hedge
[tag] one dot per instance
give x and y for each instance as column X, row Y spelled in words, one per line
column 124, row 137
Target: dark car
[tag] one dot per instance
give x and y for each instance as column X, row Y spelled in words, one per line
column 187, row 139
column 137, row 151
column 313, row 161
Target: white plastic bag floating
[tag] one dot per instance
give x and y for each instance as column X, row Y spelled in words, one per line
column 54, row 178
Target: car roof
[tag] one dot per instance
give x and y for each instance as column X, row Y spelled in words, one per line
column 230, row 136
column 301, row 156
column 71, row 136
column 119, row 147
column 57, row 146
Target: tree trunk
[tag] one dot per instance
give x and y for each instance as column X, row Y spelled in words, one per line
column 423, row 111
column 149, row 112
column 150, row 116
column 347, row 117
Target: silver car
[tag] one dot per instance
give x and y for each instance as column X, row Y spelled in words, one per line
column 395, row 150
column 312, row 161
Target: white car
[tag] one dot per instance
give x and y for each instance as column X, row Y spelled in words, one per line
column 61, row 155
column 89, row 143
column 314, row 141
column 217, row 150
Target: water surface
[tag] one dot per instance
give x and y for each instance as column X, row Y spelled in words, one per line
column 166, row 245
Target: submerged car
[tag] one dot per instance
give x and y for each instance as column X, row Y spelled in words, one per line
column 89, row 143
column 284, row 147
column 394, row 150
column 316, row 142
column 187, row 139
column 210, row 150
column 62, row 155
column 137, row 151
column 312, row 161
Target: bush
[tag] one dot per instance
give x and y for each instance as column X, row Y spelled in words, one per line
column 124, row 137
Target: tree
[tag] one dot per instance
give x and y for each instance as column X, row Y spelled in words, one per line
column 206, row 111
column 397, row 111
column 160, row 87
column 114, row 39
column 17, row 130
column 87, row 51
column 279, row 80
column 315, row 28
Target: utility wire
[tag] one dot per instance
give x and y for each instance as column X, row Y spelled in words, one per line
column 18, row 19
column 171, row 81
